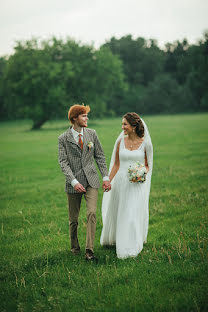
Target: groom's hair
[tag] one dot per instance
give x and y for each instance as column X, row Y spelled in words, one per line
column 77, row 110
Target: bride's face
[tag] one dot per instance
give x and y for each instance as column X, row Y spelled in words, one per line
column 127, row 128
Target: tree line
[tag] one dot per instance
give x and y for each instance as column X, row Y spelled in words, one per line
column 41, row 80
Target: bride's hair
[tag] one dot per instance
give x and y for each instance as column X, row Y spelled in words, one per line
column 135, row 121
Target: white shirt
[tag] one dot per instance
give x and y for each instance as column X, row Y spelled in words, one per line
column 76, row 135
column 76, row 138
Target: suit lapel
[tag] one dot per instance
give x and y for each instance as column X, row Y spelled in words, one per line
column 86, row 140
column 71, row 139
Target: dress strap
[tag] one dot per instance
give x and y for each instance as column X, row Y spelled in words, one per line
column 122, row 144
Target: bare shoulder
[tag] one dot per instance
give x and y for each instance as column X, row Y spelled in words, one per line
column 118, row 144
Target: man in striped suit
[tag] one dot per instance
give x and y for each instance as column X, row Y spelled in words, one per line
column 79, row 148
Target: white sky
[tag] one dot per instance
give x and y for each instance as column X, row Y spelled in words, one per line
column 95, row 21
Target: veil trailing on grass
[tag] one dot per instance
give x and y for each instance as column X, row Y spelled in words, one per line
column 149, row 152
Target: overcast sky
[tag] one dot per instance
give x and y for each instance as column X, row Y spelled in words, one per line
column 95, row 21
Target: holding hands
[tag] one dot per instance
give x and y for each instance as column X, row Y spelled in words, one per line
column 79, row 188
column 106, row 186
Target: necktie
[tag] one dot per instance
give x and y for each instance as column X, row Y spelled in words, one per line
column 80, row 141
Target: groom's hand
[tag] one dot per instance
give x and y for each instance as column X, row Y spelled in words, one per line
column 106, row 186
column 79, row 188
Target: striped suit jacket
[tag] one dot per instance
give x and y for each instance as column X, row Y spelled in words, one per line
column 80, row 164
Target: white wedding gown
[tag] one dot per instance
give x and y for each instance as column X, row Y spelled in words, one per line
column 125, row 208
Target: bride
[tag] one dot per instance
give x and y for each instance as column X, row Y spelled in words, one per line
column 125, row 209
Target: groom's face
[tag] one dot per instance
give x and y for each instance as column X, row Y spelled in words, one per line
column 81, row 120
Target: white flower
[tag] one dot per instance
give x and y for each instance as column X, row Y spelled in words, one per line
column 142, row 171
column 90, row 145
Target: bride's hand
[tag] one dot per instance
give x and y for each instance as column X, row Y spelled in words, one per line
column 106, row 186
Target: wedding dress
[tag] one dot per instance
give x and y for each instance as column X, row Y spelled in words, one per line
column 125, row 209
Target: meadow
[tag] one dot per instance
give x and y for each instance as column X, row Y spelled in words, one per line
column 38, row 272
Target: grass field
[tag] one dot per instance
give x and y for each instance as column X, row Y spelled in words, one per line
column 38, row 273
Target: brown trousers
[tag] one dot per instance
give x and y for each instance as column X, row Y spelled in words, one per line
column 74, row 203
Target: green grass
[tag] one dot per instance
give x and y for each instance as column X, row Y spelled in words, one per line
column 38, row 273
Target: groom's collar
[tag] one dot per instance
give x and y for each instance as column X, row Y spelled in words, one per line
column 70, row 136
column 76, row 133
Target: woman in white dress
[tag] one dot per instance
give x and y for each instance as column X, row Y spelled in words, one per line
column 125, row 209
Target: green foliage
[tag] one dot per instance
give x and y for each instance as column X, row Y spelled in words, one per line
column 188, row 64
column 38, row 273
column 165, row 95
column 3, row 112
column 170, row 81
column 35, row 85
column 41, row 80
column 142, row 59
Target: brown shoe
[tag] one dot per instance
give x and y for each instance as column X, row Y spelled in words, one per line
column 89, row 256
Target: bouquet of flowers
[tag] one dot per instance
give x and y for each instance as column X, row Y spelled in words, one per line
column 137, row 172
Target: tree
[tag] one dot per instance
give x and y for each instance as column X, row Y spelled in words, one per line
column 188, row 64
column 35, row 85
column 165, row 95
column 197, row 77
column 142, row 62
column 142, row 59
column 42, row 80
column 3, row 111
column 98, row 76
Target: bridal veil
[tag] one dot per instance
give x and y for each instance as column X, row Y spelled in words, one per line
column 147, row 184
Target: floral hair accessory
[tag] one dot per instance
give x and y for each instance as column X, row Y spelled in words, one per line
column 90, row 145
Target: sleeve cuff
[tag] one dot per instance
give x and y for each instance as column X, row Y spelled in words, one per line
column 74, row 182
column 106, row 178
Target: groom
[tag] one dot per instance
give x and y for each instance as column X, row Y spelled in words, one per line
column 79, row 148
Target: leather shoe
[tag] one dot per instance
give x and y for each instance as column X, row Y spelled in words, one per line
column 89, row 256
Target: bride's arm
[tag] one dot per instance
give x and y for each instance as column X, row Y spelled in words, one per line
column 116, row 164
column 146, row 162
